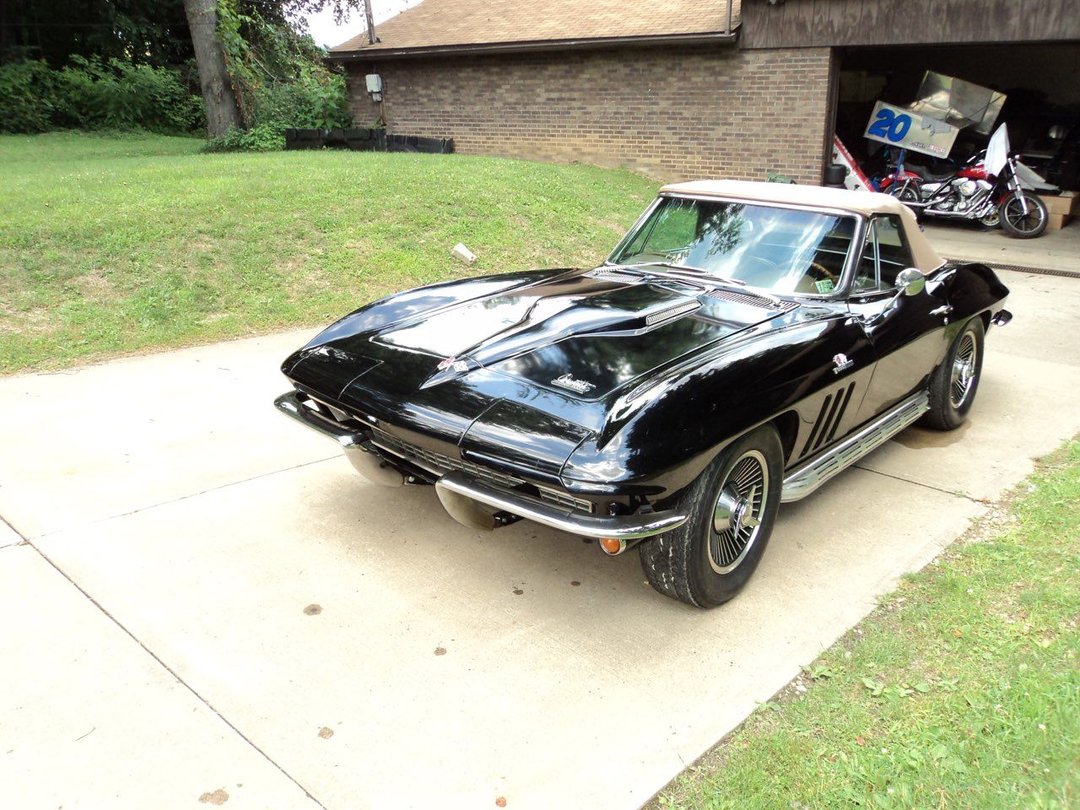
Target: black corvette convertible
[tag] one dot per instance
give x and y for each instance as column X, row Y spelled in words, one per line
column 744, row 343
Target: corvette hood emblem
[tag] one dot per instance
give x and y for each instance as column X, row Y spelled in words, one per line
column 842, row 363
column 453, row 362
column 577, row 386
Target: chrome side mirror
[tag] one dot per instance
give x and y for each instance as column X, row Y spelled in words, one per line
column 910, row 281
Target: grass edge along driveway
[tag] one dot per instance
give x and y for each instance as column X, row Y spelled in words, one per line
column 961, row 690
column 118, row 244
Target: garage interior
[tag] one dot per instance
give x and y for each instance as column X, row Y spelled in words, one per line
column 1042, row 108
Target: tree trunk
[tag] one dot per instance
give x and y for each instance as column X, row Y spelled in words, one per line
column 221, row 109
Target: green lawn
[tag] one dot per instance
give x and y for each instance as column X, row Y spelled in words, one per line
column 124, row 243
column 961, row 691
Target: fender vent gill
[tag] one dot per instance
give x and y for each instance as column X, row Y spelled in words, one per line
column 828, row 419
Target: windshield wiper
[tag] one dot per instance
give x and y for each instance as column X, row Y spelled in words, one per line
column 702, row 278
column 685, row 267
column 690, row 275
column 698, row 272
column 692, row 271
column 693, row 278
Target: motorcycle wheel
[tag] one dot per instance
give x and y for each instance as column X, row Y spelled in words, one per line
column 908, row 194
column 991, row 220
column 1016, row 223
column 905, row 192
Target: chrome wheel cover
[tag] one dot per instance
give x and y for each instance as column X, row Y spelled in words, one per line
column 964, row 364
column 738, row 512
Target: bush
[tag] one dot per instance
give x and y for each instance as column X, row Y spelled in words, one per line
column 265, row 138
column 93, row 94
column 27, row 94
column 315, row 100
column 280, row 80
column 119, row 95
column 278, row 75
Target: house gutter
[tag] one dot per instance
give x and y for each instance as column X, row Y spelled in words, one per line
column 537, row 46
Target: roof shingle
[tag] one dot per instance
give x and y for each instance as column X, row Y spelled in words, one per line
column 445, row 23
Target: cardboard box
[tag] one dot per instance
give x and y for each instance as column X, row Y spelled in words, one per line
column 1065, row 203
column 1061, row 209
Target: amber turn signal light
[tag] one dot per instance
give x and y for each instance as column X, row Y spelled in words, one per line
column 612, row 546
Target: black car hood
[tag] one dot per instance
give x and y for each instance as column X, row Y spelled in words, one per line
column 481, row 360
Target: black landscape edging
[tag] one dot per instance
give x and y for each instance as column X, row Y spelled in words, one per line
column 365, row 140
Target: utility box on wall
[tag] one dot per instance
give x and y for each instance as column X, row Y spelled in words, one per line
column 374, row 86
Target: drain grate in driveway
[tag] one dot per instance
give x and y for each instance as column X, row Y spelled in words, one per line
column 1017, row 268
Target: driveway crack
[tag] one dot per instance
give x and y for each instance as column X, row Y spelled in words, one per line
column 923, row 484
column 181, row 498
column 174, row 674
column 22, row 537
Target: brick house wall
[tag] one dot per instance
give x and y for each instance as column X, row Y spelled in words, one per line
column 670, row 114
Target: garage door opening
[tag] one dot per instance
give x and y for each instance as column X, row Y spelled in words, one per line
column 1042, row 108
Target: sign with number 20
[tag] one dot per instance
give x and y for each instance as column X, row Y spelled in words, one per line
column 908, row 130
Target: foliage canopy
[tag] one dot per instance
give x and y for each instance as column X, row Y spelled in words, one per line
column 129, row 64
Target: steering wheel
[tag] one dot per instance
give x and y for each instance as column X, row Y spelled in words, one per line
column 814, row 273
column 821, row 272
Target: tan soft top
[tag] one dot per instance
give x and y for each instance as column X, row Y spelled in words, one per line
column 864, row 203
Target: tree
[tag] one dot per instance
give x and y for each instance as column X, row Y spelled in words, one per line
column 219, row 85
column 222, row 112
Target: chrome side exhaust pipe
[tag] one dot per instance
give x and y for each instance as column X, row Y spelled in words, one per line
column 371, row 466
column 467, row 511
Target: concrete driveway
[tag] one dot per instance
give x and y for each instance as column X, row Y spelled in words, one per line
column 204, row 605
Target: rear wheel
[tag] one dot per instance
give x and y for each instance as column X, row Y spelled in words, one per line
column 908, row 193
column 953, row 386
column 991, row 220
column 732, row 507
column 1023, row 216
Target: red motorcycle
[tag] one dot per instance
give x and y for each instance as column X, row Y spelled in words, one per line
column 971, row 193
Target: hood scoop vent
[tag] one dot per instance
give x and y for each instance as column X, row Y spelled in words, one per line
column 750, row 299
column 671, row 313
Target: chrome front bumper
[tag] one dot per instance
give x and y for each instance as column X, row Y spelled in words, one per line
column 458, row 493
column 465, row 498
column 292, row 405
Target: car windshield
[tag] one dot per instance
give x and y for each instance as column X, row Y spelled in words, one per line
column 781, row 250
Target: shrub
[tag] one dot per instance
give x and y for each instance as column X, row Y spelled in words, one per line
column 94, row 94
column 317, row 99
column 265, row 138
column 279, row 77
column 27, row 94
column 278, row 74
column 119, row 95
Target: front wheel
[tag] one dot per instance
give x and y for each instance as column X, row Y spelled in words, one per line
column 732, row 507
column 1023, row 216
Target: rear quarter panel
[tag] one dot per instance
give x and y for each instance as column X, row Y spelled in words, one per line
column 974, row 288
